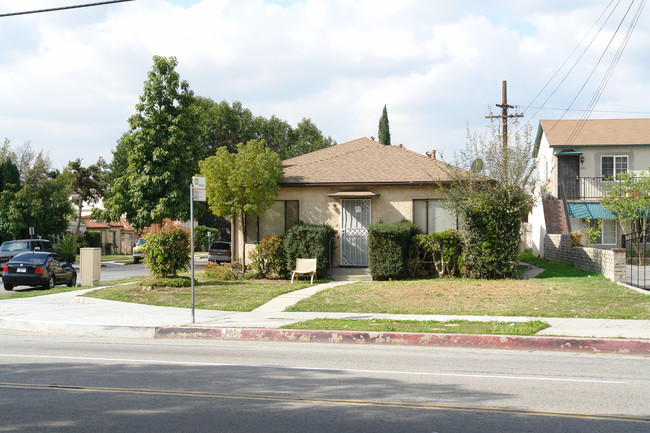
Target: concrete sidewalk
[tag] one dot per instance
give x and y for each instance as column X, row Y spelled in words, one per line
column 70, row 313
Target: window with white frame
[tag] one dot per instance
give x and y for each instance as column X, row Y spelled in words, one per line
column 608, row 231
column 430, row 216
column 612, row 165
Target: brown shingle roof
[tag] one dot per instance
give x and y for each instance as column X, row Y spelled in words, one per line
column 597, row 132
column 363, row 161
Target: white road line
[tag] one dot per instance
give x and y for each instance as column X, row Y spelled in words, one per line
column 280, row 367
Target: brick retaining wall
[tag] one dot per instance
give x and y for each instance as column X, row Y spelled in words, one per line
column 610, row 263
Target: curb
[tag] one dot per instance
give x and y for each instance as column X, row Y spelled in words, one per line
column 592, row 345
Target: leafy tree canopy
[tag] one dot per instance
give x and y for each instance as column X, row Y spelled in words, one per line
column 162, row 151
column 629, row 199
column 87, row 183
column 226, row 125
column 37, row 196
column 242, row 183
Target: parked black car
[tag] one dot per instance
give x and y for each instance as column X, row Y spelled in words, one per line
column 9, row 249
column 38, row 269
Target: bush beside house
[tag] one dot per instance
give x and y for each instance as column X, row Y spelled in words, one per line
column 389, row 246
column 309, row 241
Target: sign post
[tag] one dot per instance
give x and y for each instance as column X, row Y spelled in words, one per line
column 197, row 193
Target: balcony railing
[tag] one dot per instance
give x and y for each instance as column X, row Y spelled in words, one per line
column 583, row 188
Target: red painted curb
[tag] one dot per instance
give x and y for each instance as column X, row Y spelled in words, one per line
column 595, row 345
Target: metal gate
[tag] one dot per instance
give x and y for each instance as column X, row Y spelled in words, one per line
column 637, row 259
column 355, row 219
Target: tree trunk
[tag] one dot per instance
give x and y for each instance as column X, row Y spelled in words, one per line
column 79, row 215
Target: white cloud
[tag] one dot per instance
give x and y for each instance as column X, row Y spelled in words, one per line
column 71, row 79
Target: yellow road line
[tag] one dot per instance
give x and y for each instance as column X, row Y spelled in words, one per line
column 318, row 400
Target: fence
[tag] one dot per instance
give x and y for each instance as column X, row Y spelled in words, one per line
column 637, row 260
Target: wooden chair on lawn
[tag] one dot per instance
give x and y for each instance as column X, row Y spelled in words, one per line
column 304, row 267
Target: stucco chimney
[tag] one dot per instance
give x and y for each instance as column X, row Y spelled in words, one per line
column 432, row 155
column 400, row 145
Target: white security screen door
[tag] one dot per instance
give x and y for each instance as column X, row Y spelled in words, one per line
column 355, row 219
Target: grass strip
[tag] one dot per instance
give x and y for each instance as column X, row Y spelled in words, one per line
column 244, row 295
column 30, row 292
column 424, row 326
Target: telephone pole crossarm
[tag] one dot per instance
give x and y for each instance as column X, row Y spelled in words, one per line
column 504, row 114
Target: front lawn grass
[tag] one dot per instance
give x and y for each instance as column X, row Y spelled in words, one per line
column 241, row 295
column 424, row 326
column 562, row 291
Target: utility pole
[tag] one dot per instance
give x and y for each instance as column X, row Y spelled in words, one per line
column 504, row 114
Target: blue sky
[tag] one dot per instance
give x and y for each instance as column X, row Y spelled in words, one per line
column 71, row 79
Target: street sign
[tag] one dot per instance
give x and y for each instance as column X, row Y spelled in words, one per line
column 198, row 188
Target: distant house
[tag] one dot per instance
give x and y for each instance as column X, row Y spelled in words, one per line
column 574, row 159
column 117, row 237
column 350, row 186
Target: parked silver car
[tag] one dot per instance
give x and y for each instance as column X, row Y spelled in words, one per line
column 220, row 252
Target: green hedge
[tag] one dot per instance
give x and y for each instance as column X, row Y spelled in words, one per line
column 388, row 246
column 491, row 231
column 443, row 251
column 309, row 241
column 93, row 239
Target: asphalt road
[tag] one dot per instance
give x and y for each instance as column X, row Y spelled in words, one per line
column 97, row 385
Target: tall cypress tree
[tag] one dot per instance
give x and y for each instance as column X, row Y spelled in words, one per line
column 384, row 129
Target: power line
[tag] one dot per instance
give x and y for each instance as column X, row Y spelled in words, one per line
column 63, row 8
column 593, row 111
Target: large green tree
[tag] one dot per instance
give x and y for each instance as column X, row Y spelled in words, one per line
column 226, row 125
column 383, row 135
column 36, row 197
column 242, row 183
column 162, row 151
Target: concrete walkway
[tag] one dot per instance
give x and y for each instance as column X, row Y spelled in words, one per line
column 70, row 313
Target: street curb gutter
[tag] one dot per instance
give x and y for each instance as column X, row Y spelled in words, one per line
column 593, row 345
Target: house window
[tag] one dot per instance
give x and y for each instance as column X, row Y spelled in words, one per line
column 611, row 166
column 279, row 218
column 430, row 216
column 608, row 231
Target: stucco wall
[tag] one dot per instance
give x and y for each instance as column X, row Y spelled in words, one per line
column 610, row 263
column 393, row 204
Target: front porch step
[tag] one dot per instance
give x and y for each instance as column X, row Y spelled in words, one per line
column 351, row 274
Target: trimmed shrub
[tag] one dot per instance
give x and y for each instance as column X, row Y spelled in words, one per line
column 222, row 272
column 443, row 250
column 269, row 258
column 167, row 249
column 308, row 241
column 388, row 246
column 491, row 225
column 93, row 239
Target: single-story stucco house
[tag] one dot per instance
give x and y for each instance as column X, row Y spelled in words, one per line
column 350, row 186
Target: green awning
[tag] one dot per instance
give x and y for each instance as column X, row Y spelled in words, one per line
column 594, row 211
column 569, row 153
